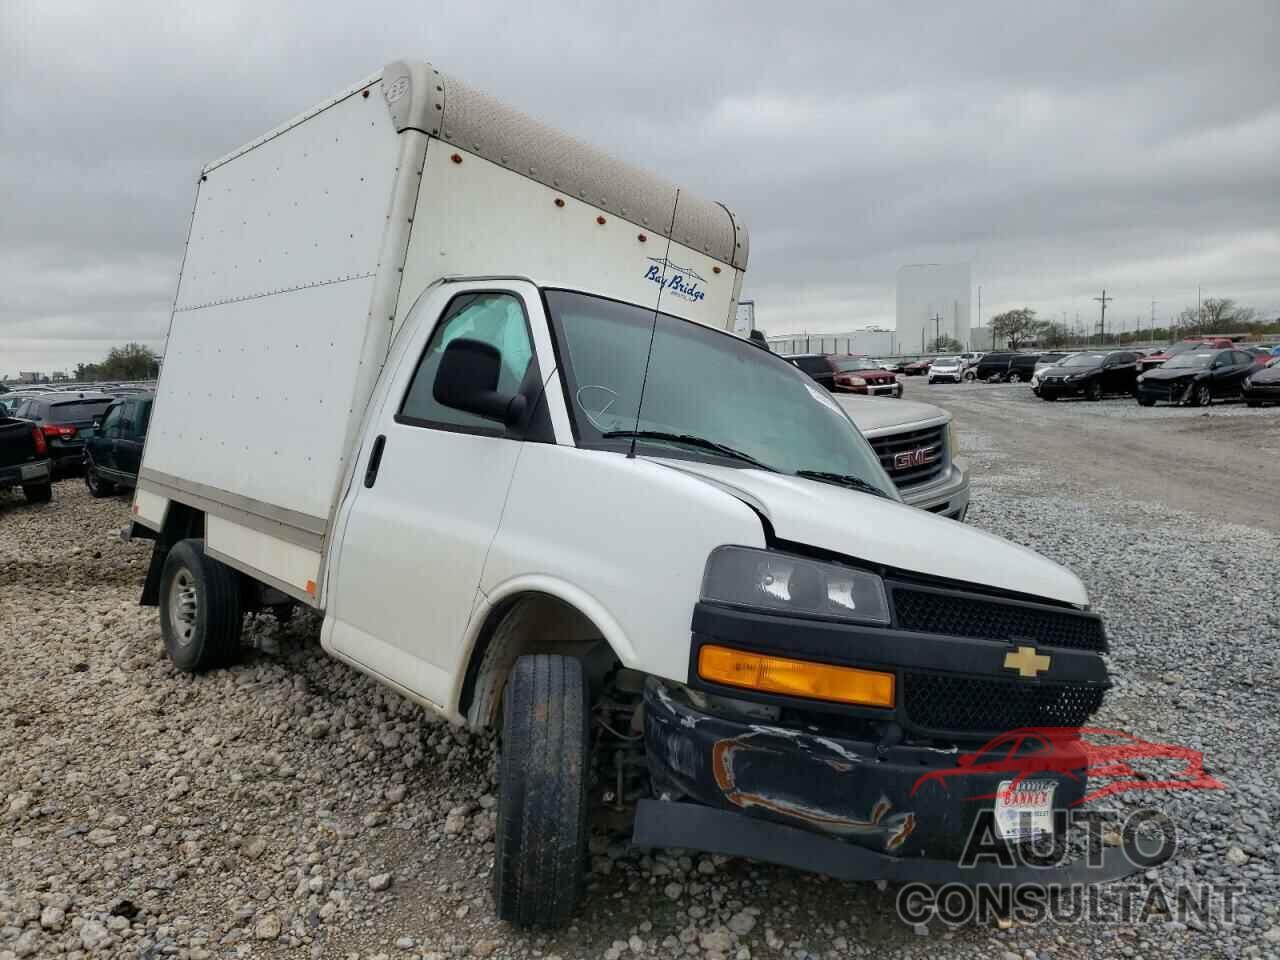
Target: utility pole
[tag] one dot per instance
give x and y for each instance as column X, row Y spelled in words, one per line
column 1153, row 318
column 1199, row 311
column 937, row 327
column 1102, row 323
column 979, row 305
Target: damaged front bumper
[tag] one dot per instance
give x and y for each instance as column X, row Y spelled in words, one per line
column 819, row 802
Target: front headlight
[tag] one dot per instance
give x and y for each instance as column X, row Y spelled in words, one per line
column 1141, row 377
column 780, row 582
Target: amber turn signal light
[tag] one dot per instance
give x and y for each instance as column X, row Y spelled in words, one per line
column 795, row 678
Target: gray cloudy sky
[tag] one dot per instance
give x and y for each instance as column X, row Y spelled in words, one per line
column 1058, row 147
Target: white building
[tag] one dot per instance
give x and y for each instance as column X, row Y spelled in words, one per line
column 933, row 300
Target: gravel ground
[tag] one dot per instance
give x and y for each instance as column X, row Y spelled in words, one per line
column 289, row 807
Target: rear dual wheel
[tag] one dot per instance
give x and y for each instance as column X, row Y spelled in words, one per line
column 200, row 614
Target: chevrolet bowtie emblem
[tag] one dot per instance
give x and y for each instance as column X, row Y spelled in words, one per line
column 1026, row 661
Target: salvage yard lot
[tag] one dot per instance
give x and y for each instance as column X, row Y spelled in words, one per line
column 291, row 807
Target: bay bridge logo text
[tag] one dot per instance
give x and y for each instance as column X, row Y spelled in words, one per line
column 679, row 281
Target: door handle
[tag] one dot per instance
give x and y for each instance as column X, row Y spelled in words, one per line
column 375, row 460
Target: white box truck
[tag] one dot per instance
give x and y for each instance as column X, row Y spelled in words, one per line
column 470, row 388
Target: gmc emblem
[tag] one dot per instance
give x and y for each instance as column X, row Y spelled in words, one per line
column 915, row 458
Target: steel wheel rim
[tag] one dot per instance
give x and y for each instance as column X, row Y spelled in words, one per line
column 184, row 606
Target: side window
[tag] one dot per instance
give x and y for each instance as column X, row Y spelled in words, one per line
column 1240, row 357
column 497, row 319
column 111, row 422
column 142, row 418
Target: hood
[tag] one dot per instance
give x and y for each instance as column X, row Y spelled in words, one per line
column 887, row 532
column 876, row 413
column 1265, row 375
column 1178, row 373
column 1059, row 371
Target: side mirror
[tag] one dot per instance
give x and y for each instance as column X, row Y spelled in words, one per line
column 468, row 380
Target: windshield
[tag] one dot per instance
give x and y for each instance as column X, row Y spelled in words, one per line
column 1178, row 348
column 703, row 384
column 1188, row 361
column 856, row 363
column 946, row 361
column 1084, row 360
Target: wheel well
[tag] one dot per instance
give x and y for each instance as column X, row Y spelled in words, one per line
column 522, row 624
column 181, row 522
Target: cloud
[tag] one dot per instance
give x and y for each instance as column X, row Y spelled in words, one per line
column 1056, row 151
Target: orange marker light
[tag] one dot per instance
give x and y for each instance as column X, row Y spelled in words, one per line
column 795, row 678
column 311, row 587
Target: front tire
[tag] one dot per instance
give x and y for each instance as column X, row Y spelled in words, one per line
column 1015, row 378
column 200, row 615
column 1093, row 391
column 97, row 486
column 1202, row 396
column 540, row 863
column 37, row 492
column 1146, row 402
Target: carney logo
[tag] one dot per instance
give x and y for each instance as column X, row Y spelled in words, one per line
column 675, row 279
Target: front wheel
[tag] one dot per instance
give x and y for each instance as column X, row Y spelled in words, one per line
column 1253, row 403
column 1093, row 391
column 1015, row 378
column 540, row 862
column 200, row 614
column 970, row 376
column 97, row 486
column 1146, row 402
column 1202, row 397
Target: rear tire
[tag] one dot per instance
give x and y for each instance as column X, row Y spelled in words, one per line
column 200, row 614
column 97, row 486
column 1015, row 378
column 37, row 492
column 540, row 863
column 1202, row 396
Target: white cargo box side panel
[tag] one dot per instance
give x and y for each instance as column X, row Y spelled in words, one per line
column 476, row 218
column 272, row 308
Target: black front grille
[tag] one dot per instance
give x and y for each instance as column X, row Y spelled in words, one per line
column 928, row 444
column 926, row 611
column 943, row 704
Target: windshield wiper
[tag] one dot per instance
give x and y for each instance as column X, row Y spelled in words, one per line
column 689, row 440
column 843, row 480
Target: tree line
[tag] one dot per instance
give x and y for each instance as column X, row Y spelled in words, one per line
column 133, row 361
column 1215, row 315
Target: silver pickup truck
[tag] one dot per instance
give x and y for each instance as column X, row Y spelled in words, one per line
column 916, row 446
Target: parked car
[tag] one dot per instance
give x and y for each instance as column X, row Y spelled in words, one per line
column 1196, row 378
column 1021, row 367
column 1261, row 355
column 1262, row 386
column 24, row 460
column 950, row 369
column 916, row 446
column 993, row 367
column 1090, row 375
column 847, row 374
column 917, row 368
column 1046, row 361
column 113, row 445
column 1153, row 360
column 61, row 417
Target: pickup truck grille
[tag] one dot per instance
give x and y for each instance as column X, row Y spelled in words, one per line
column 957, row 615
column 972, row 706
column 913, row 457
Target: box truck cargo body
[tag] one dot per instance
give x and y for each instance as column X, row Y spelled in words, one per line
column 309, row 245
column 471, row 389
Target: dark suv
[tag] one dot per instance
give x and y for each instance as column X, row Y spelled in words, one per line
column 61, row 417
column 993, row 367
column 1091, row 375
column 113, row 448
column 1021, row 367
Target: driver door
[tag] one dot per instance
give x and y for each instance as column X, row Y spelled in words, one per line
column 428, row 493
